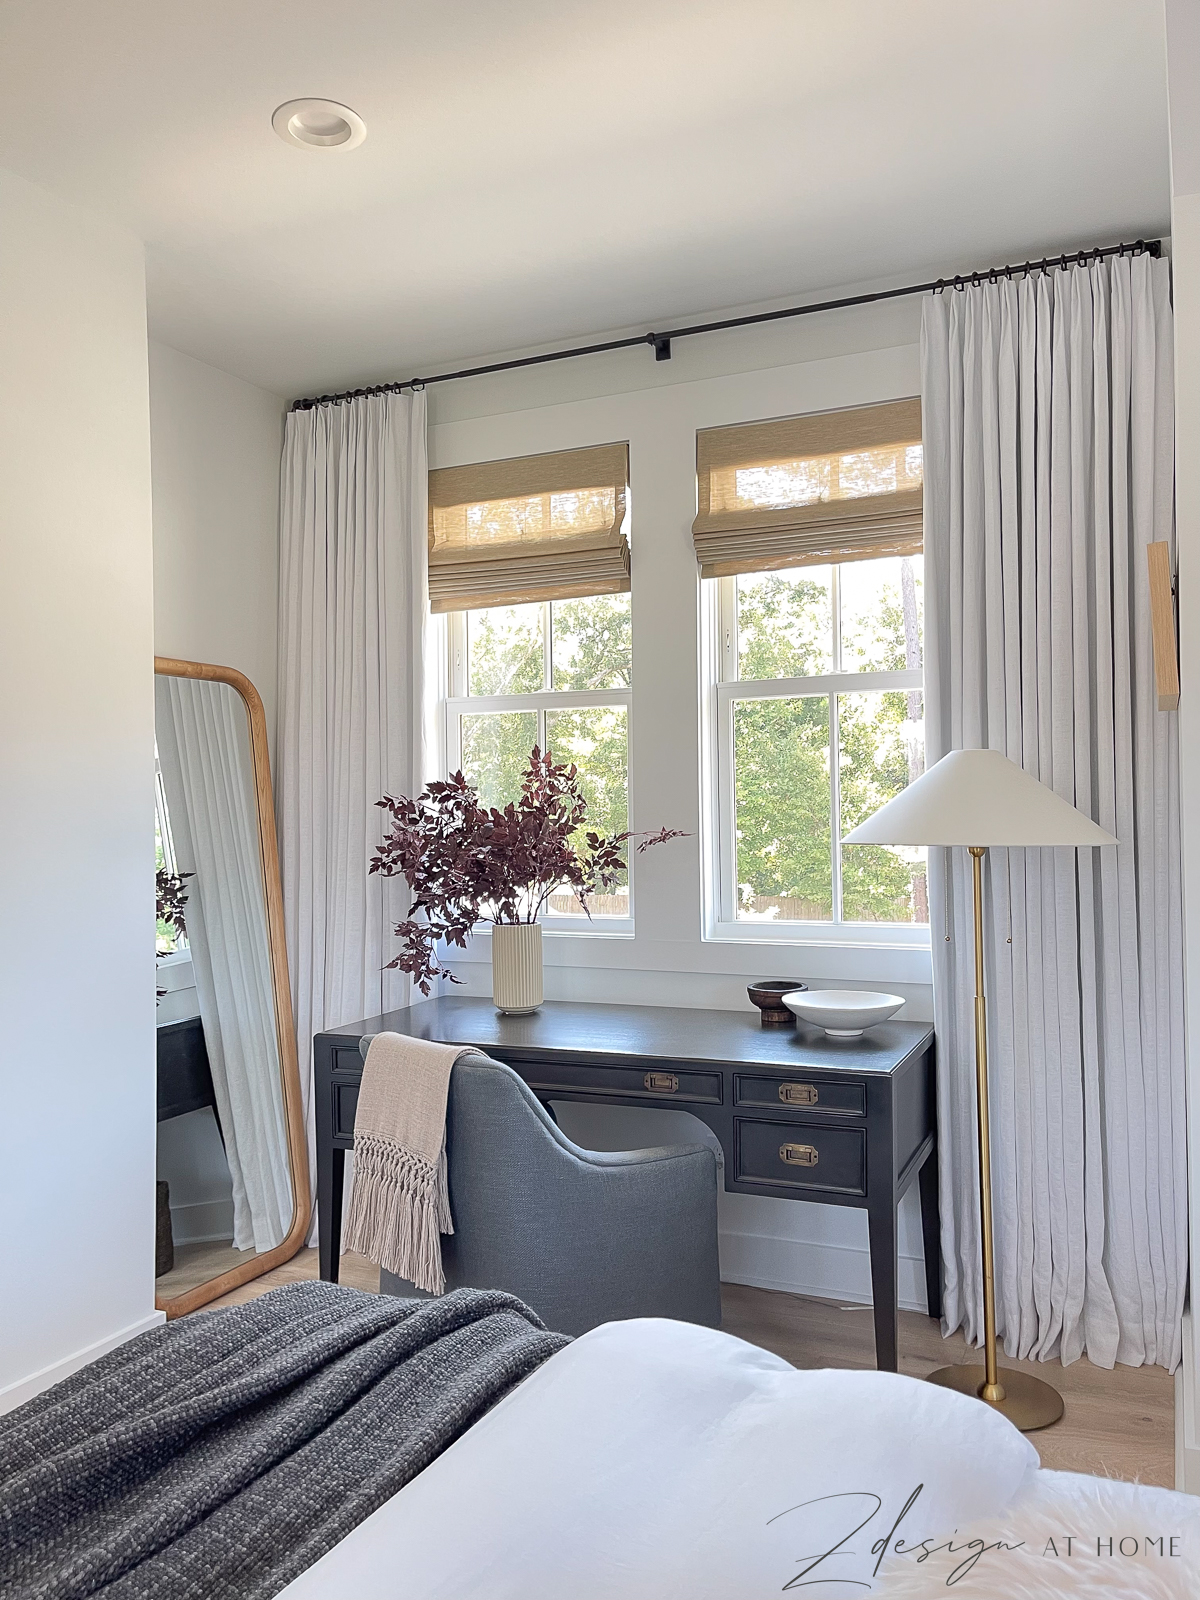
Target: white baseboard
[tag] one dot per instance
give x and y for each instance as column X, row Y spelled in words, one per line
column 203, row 1222
column 16, row 1394
column 829, row 1271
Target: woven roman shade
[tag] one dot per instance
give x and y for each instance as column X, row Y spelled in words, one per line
column 550, row 527
column 803, row 491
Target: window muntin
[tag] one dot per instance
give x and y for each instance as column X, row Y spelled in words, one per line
column 556, row 674
column 820, row 721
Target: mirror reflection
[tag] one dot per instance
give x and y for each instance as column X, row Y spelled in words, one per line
column 225, row 1186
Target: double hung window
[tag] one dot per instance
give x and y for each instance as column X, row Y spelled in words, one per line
column 553, row 668
column 816, row 603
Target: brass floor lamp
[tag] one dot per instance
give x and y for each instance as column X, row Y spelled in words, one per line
column 977, row 799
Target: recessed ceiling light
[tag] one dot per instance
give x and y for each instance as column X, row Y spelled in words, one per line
column 319, row 125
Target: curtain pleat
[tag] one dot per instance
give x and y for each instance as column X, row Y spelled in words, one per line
column 354, row 712
column 1048, row 468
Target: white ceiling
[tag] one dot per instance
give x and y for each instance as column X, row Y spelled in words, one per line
column 538, row 170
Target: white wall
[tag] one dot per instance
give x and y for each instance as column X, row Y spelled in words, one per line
column 215, row 443
column 831, row 360
column 1183, row 62
column 76, row 794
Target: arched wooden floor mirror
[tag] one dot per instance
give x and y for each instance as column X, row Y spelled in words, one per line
column 232, row 1150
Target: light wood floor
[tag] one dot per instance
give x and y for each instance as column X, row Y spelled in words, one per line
column 199, row 1263
column 1120, row 1424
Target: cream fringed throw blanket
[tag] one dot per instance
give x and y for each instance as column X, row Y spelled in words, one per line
column 401, row 1202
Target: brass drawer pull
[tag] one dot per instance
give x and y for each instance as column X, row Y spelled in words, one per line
column 661, row 1082
column 798, row 1155
column 798, row 1094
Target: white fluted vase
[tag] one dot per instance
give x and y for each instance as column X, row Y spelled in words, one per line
column 516, row 966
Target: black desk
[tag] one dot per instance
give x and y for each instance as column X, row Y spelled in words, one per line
column 800, row 1116
column 184, row 1075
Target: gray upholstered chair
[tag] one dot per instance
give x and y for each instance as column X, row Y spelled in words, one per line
column 581, row 1236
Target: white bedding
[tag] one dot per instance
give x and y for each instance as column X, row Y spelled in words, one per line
column 653, row 1459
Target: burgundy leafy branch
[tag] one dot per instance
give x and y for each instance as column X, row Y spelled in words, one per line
column 171, row 894
column 465, row 862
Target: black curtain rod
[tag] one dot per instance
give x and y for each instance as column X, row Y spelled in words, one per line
column 662, row 341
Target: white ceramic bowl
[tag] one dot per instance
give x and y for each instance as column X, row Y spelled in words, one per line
column 843, row 1013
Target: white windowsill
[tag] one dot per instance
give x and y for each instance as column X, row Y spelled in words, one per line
column 175, row 971
column 843, row 935
column 593, row 928
column 813, row 961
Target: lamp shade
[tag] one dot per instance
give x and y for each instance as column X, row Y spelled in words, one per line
column 978, row 797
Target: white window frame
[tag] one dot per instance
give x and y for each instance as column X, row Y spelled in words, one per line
column 725, row 689
column 182, row 950
column 459, row 702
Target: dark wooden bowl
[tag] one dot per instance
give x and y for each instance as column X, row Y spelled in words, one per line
column 767, row 995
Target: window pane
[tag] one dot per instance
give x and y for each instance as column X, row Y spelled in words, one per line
column 592, row 642
column 785, row 623
column 781, row 776
column 882, row 740
column 504, row 650
column 881, row 614
column 495, row 752
column 596, row 739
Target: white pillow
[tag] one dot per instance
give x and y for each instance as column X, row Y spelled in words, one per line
column 653, row 1458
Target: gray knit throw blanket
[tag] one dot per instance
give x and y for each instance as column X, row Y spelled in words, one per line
column 222, row 1454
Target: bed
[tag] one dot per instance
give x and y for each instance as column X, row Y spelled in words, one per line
column 322, row 1443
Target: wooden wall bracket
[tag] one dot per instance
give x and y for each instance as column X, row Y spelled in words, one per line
column 1162, row 625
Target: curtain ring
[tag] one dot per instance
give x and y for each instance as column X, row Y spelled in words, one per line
column 959, row 285
column 417, row 385
column 939, row 286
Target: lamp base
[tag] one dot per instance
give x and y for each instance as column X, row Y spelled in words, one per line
column 1028, row 1403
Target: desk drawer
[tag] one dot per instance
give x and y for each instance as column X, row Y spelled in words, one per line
column 848, row 1099
column 798, row 1155
column 668, row 1084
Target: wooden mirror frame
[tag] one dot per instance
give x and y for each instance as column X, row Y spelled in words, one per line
column 179, row 1305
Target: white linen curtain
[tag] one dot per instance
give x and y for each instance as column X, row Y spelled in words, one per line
column 1048, row 426
column 203, row 736
column 354, row 713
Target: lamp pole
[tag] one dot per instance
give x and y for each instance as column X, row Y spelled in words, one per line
column 993, row 1389
column 1026, row 1401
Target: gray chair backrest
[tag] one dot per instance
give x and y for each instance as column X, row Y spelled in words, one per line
column 582, row 1236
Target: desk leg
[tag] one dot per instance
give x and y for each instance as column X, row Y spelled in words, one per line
column 881, row 1229
column 931, row 1233
column 331, row 1172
